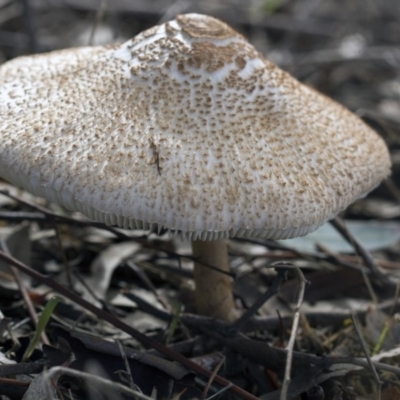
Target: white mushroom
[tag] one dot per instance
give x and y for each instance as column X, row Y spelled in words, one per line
column 186, row 127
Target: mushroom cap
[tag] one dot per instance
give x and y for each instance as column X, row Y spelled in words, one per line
column 187, row 127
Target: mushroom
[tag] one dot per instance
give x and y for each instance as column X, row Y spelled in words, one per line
column 184, row 127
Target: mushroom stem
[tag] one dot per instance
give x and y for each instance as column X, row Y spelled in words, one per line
column 213, row 292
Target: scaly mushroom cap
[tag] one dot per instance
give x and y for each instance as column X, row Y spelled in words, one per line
column 187, row 127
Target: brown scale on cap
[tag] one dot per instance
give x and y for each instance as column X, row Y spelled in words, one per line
column 187, row 127
column 204, row 27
